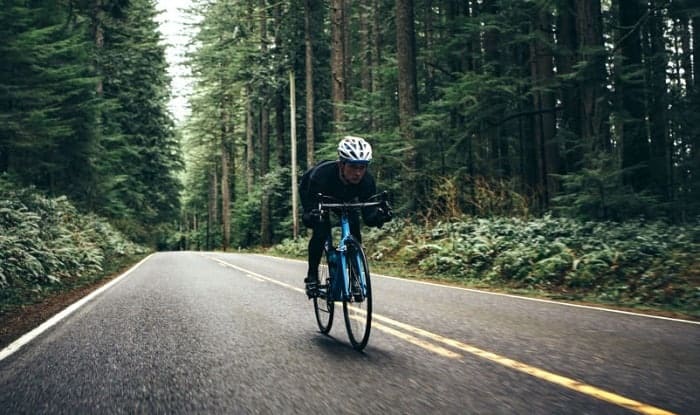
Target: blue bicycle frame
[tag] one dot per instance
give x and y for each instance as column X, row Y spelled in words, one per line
column 342, row 264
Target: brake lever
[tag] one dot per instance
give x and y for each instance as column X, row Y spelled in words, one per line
column 385, row 200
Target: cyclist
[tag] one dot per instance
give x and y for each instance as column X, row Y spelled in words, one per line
column 346, row 179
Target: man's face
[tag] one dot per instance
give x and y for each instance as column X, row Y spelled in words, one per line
column 352, row 172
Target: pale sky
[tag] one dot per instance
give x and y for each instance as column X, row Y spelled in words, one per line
column 175, row 35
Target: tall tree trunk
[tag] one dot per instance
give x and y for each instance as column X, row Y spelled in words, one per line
column 280, row 144
column 231, row 151
column 442, row 141
column 376, row 55
column 264, row 141
column 265, row 225
column 474, row 43
column 630, row 84
column 265, row 212
column 693, row 94
column 534, row 148
column 454, row 10
column 467, row 10
column 249, row 115
column 347, row 49
column 493, row 58
column 213, row 217
column 547, row 152
column 338, row 82
column 309, row 73
column 98, row 16
column 656, row 64
column 684, row 57
column 491, row 46
column 570, row 97
column 696, row 51
column 250, row 144
column 594, row 110
column 408, row 95
column 430, row 47
column 365, row 46
column 225, row 190
column 293, row 146
column 278, row 202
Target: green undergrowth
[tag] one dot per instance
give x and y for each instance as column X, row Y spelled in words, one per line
column 637, row 264
column 48, row 246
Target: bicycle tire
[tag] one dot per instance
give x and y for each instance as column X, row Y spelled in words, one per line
column 357, row 310
column 324, row 308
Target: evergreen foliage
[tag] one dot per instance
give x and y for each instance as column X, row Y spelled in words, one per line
column 47, row 100
column 141, row 159
column 83, row 95
column 560, row 105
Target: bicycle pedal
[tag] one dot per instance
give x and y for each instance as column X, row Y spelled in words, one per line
column 312, row 291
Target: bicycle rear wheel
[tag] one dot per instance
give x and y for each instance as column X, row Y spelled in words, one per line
column 358, row 308
column 324, row 307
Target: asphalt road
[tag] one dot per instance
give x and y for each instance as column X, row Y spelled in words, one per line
column 230, row 333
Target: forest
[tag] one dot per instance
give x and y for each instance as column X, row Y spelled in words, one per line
column 494, row 123
column 584, row 109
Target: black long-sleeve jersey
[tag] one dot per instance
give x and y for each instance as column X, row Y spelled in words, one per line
column 325, row 178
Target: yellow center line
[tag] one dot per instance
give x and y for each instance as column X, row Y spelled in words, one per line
column 414, row 340
column 542, row 374
column 531, row 370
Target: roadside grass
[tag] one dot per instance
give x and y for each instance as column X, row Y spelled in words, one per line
column 643, row 266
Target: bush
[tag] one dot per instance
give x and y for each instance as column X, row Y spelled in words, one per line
column 632, row 263
column 46, row 242
column 635, row 262
column 291, row 248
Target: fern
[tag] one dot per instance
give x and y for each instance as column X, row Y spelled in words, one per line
column 635, row 262
column 67, row 246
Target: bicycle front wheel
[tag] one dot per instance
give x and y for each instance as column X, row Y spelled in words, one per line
column 358, row 308
column 323, row 304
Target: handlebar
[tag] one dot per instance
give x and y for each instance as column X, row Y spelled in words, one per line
column 325, row 201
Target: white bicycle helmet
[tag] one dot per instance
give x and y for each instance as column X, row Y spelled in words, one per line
column 354, row 150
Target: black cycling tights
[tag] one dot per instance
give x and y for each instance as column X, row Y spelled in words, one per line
column 319, row 236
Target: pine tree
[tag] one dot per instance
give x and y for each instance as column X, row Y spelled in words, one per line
column 140, row 150
column 47, row 101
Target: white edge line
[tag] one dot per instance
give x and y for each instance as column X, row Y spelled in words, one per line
column 610, row 310
column 253, row 275
column 28, row 337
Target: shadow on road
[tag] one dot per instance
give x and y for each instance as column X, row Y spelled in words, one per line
column 339, row 348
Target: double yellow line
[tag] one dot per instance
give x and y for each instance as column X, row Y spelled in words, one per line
column 418, row 336
column 563, row 381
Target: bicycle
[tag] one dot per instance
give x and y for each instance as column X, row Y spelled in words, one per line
column 345, row 275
